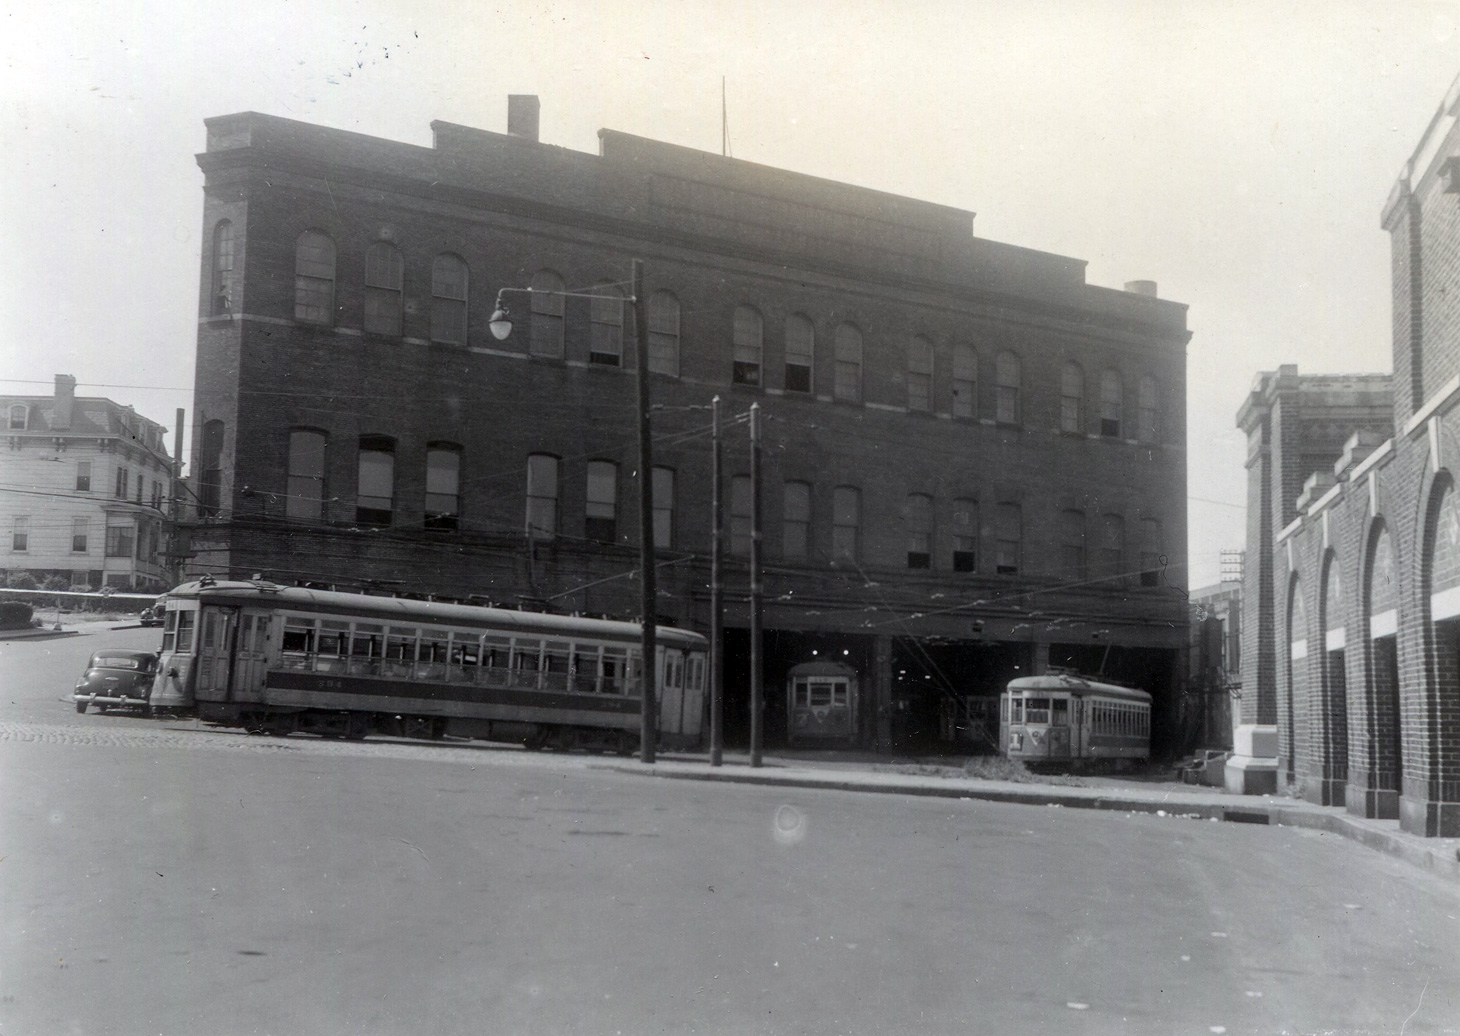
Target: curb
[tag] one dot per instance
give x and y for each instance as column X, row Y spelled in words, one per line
column 36, row 633
column 1435, row 860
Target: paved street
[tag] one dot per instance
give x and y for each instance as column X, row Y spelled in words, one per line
column 163, row 878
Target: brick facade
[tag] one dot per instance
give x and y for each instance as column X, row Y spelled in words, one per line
column 718, row 235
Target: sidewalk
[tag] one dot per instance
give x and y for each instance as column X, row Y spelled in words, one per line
column 1436, row 855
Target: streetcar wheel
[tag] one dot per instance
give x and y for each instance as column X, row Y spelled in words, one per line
column 81, row 707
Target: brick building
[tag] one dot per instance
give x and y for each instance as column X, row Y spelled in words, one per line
column 974, row 461
column 1350, row 684
column 84, row 484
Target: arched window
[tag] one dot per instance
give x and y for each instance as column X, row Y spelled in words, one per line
column 606, row 326
column 663, row 320
column 314, row 278
column 1072, row 399
column 919, row 518
column 600, row 516
column 965, row 535
column 749, row 346
column 547, row 315
column 1072, row 545
column 800, row 353
column 19, row 416
column 846, row 522
column 375, row 495
column 384, row 280
column 965, row 380
column 1148, row 410
column 847, row 376
column 210, row 465
column 304, row 493
column 449, row 282
column 1112, row 404
column 919, row 374
column 220, row 298
column 1006, row 372
column 443, row 486
column 1008, row 538
column 1112, row 549
column 796, row 521
column 542, row 496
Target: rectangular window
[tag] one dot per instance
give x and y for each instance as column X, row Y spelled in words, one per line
column 965, row 381
column 121, row 483
column 796, row 521
column 1008, row 532
column 443, row 483
column 748, row 343
column 1112, row 547
column 383, row 279
column 79, row 528
column 185, row 621
column 846, row 522
column 20, row 537
column 965, row 535
column 121, row 541
column 305, row 493
column 919, row 518
column 298, row 636
column 156, row 495
column 740, row 515
column 663, row 507
column 542, row 496
column 1007, row 370
column 663, row 334
column 601, row 509
column 1072, row 545
column 606, row 327
column 920, row 374
column 1111, row 404
column 83, row 476
column 375, row 500
column 800, row 347
column 546, row 303
column 847, row 374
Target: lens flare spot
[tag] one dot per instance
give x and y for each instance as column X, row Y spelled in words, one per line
column 789, row 825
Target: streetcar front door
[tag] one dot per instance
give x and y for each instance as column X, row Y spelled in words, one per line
column 216, row 627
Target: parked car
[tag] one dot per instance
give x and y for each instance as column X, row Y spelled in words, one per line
column 117, row 679
column 152, row 614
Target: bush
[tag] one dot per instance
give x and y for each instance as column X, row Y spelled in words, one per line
column 57, row 583
column 23, row 581
column 15, row 615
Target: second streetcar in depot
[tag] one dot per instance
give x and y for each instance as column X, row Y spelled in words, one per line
column 277, row 659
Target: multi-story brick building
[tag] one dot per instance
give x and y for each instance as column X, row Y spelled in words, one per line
column 84, row 487
column 974, row 461
column 1350, row 681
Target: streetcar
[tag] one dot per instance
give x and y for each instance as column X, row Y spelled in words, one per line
column 1063, row 718
column 821, row 703
column 282, row 659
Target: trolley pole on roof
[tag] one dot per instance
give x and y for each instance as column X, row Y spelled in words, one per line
column 649, row 714
column 717, row 600
column 756, row 688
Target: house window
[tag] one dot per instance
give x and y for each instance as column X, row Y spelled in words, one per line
column 221, row 297
column 800, row 352
column 375, row 492
column 1111, row 401
column 1112, row 547
column 919, row 518
column 210, row 482
column 1072, row 399
column 304, row 494
column 20, row 534
column 121, row 541
column 663, row 321
column 18, row 415
column 847, row 375
column 79, row 530
column 156, row 495
column 1072, row 545
column 314, row 278
column 1147, row 410
column 965, row 380
column 384, row 275
column 443, row 486
column 448, row 300
column 542, row 496
column 606, row 326
column 919, row 374
column 600, row 516
column 663, row 507
column 796, row 520
column 1152, row 549
column 846, row 522
column 1006, row 372
column 740, row 515
column 749, row 338
column 83, row 476
column 122, row 476
column 547, row 315
column 965, row 535
column 1008, row 538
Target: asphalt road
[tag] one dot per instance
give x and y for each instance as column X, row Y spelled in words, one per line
column 163, row 879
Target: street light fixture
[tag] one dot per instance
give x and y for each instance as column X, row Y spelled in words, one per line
column 500, row 325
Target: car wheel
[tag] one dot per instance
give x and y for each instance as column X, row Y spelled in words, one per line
column 81, row 707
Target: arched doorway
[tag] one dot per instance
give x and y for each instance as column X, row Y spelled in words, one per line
column 1440, row 581
column 1296, row 684
column 1383, row 729
column 1332, row 746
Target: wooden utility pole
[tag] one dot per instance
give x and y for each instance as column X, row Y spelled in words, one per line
column 649, row 714
column 717, row 600
column 756, row 688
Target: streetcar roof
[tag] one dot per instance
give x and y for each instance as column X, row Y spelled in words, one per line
column 402, row 609
column 1077, row 685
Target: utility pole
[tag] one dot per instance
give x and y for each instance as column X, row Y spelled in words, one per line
column 649, row 715
column 174, row 538
column 756, row 688
column 717, row 600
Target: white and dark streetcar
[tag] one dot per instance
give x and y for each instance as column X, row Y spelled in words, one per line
column 276, row 659
column 1062, row 718
column 821, row 704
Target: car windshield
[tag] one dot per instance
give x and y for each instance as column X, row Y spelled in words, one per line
column 120, row 662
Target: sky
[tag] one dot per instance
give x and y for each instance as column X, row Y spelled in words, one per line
column 1238, row 154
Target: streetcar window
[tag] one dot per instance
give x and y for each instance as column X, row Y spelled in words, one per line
column 368, row 642
column 496, row 651
column 555, row 659
column 585, row 667
column 433, row 646
column 526, row 654
column 615, row 670
column 400, row 644
column 696, row 672
column 1016, row 710
column 636, row 670
column 820, row 695
column 839, row 693
column 210, row 624
column 298, row 636
column 1004, row 709
column 1036, row 710
column 1060, row 712
column 245, row 634
column 465, row 648
column 801, row 696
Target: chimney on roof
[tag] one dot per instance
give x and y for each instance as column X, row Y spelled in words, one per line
column 1147, row 288
column 522, row 114
column 65, row 401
